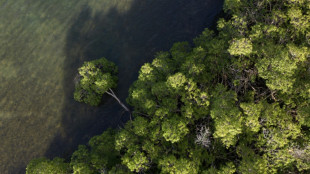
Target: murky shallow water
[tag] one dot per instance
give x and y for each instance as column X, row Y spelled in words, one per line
column 42, row 43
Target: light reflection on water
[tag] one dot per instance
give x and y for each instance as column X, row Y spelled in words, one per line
column 43, row 42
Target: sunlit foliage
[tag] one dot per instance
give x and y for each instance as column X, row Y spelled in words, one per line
column 94, row 79
column 43, row 165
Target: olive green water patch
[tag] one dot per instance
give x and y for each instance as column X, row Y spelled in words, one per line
column 7, row 70
column 32, row 40
column 33, row 36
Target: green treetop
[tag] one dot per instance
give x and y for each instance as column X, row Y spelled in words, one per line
column 43, row 165
column 94, row 79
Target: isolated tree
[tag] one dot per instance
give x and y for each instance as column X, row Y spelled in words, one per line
column 94, row 79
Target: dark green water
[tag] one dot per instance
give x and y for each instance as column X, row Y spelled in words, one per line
column 42, row 43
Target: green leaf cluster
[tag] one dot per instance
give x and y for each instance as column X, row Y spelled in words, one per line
column 43, row 165
column 93, row 80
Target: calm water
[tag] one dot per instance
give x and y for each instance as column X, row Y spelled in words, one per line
column 42, row 43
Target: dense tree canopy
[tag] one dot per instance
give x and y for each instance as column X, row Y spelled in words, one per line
column 238, row 101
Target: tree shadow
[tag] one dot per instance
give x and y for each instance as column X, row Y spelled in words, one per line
column 128, row 39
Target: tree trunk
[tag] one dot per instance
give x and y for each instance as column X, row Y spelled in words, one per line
column 111, row 93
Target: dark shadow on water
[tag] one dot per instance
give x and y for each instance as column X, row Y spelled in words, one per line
column 129, row 40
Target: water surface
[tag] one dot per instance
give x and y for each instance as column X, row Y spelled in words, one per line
column 42, row 43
